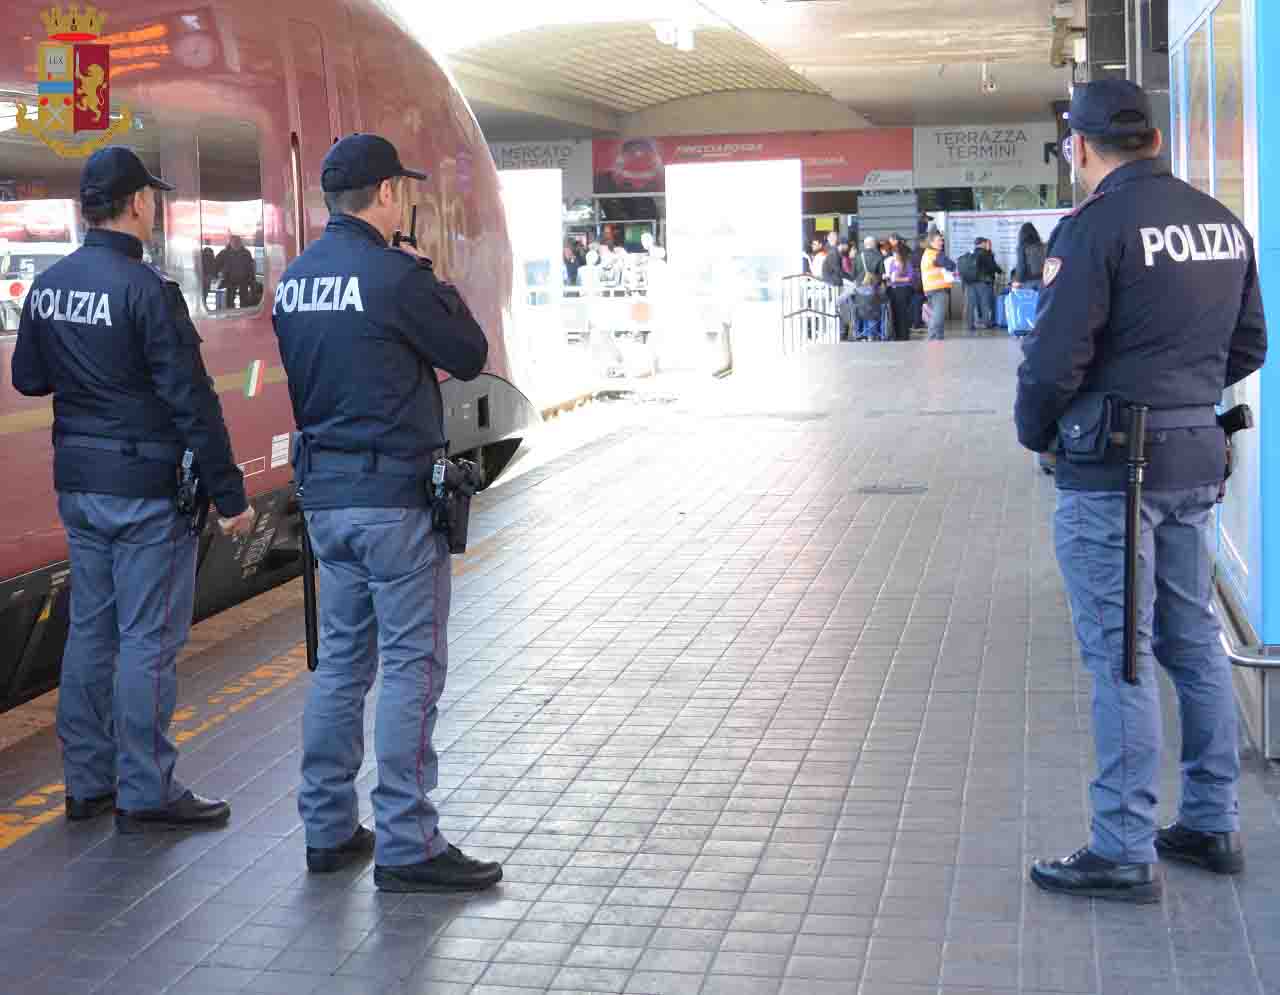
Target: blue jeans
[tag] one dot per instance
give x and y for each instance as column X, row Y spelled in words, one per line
column 133, row 579
column 1175, row 628
column 938, row 313
column 385, row 585
column 981, row 298
column 868, row 329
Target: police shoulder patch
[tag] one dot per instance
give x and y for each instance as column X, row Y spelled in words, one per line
column 1052, row 267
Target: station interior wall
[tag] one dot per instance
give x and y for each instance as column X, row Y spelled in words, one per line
column 743, row 110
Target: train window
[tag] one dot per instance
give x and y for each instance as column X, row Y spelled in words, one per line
column 39, row 196
column 232, row 246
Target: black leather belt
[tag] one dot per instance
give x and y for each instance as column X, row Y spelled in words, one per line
column 342, row 461
column 161, row 452
column 1161, row 420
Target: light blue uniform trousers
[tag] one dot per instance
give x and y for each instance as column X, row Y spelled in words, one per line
column 133, row 574
column 1176, row 629
column 384, row 586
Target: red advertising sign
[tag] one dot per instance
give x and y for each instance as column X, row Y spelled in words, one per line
column 865, row 158
column 92, row 87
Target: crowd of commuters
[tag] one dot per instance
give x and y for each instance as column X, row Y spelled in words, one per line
column 912, row 283
column 883, row 293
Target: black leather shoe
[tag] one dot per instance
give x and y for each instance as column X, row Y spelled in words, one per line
column 1222, row 853
column 188, row 812
column 453, row 870
column 323, row 860
column 1085, row 873
column 82, row 809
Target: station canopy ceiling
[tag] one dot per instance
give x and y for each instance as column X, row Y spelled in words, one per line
column 551, row 68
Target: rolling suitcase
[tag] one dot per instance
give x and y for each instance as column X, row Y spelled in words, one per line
column 1020, row 311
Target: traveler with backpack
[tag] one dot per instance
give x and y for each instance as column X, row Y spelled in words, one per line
column 1026, row 281
column 1028, row 274
column 869, row 309
column 979, row 269
column 868, row 260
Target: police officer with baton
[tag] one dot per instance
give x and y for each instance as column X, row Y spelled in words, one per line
column 363, row 324
column 1150, row 309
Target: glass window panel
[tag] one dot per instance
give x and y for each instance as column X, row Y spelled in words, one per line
column 1177, row 84
column 1229, row 104
column 1199, row 147
column 232, row 247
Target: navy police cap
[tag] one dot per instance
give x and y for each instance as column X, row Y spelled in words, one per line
column 112, row 173
column 1110, row 108
column 359, row 161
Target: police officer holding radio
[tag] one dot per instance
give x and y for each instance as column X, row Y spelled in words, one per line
column 1150, row 300
column 363, row 326
column 110, row 338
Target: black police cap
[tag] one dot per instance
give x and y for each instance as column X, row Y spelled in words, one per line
column 359, row 161
column 1110, row 108
column 112, row 173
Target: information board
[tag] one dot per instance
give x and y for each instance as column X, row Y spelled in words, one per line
column 1002, row 227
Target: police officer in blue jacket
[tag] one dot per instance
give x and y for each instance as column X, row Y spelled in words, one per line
column 110, row 338
column 363, row 327
column 1150, row 297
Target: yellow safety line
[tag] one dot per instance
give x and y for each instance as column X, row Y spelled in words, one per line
column 18, row 820
column 24, row 816
column 40, row 417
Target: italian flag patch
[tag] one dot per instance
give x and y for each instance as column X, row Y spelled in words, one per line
column 253, row 379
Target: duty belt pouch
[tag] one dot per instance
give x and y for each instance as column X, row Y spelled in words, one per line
column 453, row 484
column 1084, row 430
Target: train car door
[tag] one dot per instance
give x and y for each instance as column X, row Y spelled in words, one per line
column 315, row 129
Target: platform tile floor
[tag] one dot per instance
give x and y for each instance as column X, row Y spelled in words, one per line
column 772, row 692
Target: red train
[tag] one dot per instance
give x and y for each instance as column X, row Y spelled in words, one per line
column 235, row 103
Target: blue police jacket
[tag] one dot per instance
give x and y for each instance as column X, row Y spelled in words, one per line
column 363, row 327
column 111, row 339
column 1150, row 296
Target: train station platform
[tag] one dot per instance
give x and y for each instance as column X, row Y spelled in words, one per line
column 770, row 692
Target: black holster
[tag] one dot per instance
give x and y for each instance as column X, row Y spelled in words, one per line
column 453, row 482
column 193, row 498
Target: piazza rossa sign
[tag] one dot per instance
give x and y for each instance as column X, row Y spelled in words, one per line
column 985, row 155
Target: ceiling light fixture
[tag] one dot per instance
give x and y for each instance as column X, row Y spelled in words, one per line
column 677, row 35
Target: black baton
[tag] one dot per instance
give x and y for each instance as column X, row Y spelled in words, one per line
column 309, row 595
column 1132, row 535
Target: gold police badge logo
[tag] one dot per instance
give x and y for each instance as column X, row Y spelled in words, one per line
column 73, row 88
